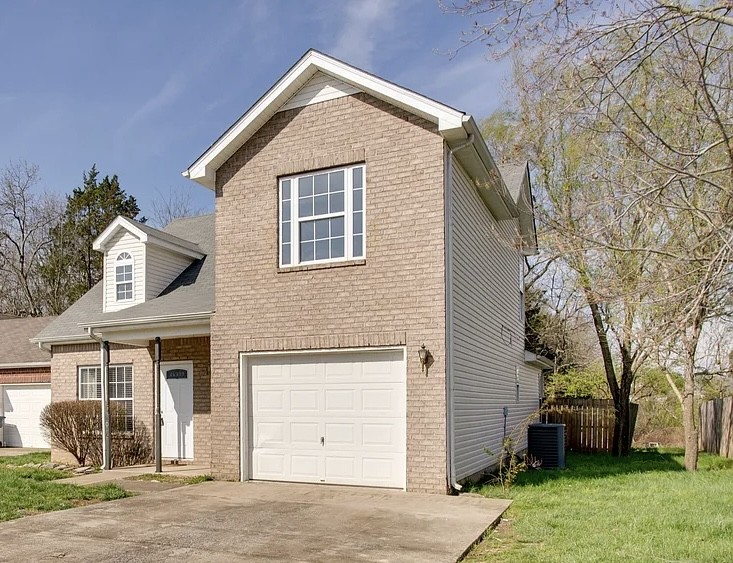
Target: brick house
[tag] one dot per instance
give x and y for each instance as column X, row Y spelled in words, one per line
column 25, row 382
column 351, row 314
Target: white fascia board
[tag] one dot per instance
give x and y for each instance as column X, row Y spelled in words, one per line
column 142, row 333
column 120, row 222
column 203, row 170
column 161, row 319
column 501, row 203
column 540, row 362
column 184, row 247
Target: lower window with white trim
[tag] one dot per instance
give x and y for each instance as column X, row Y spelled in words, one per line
column 120, row 387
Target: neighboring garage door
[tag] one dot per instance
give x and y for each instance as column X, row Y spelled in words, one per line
column 22, row 406
column 328, row 418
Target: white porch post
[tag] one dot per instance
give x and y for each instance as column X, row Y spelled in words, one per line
column 106, row 435
column 157, row 422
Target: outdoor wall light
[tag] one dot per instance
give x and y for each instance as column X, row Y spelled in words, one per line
column 426, row 359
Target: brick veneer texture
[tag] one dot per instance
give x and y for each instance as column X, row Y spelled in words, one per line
column 395, row 296
column 36, row 374
column 66, row 360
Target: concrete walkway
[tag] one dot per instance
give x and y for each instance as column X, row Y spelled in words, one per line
column 114, row 475
column 257, row 521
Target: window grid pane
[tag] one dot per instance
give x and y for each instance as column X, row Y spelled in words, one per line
column 285, row 223
column 330, row 208
column 120, row 388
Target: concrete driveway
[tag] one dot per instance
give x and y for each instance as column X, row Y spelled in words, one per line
column 220, row 521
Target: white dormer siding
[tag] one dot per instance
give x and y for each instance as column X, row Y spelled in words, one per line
column 124, row 241
column 155, row 257
column 162, row 267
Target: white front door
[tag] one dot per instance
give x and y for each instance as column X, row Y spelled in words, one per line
column 334, row 418
column 176, row 405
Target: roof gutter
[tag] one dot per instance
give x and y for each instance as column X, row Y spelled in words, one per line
column 448, row 253
column 201, row 316
column 472, row 128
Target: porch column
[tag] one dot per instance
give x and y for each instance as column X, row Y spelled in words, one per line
column 106, row 434
column 157, row 418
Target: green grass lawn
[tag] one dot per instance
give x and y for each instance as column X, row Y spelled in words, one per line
column 643, row 508
column 168, row 478
column 27, row 490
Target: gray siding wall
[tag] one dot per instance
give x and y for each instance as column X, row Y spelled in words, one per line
column 488, row 332
column 162, row 267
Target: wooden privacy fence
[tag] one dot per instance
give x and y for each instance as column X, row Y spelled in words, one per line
column 588, row 422
column 716, row 426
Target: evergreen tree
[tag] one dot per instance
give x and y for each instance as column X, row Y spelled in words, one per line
column 73, row 267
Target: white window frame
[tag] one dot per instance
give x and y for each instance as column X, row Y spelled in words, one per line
column 347, row 214
column 121, row 262
column 130, row 419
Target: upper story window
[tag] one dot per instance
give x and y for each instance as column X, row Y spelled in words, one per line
column 123, row 277
column 322, row 216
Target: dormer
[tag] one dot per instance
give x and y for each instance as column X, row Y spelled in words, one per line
column 140, row 262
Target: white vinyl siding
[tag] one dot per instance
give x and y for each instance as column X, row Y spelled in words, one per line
column 488, row 334
column 161, row 268
column 124, row 242
column 320, row 88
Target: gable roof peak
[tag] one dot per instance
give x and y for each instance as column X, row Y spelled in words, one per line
column 147, row 235
column 450, row 121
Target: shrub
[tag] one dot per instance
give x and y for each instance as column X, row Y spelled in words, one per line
column 76, row 427
column 128, row 448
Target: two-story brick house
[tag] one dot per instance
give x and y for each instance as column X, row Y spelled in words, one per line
column 356, row 222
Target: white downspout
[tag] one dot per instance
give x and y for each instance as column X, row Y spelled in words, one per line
column 448, row 226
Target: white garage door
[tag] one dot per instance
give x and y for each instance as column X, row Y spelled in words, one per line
column 22, row 406
column 328, row 418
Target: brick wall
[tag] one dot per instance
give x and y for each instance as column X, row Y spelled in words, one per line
column 67, row 358
column 396, row 296
column 38, row 374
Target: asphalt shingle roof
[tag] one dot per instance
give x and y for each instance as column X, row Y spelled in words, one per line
column 15, row 347
column 191, row 292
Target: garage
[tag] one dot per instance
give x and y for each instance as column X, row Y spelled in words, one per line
column 331, row 417
column 22, row 406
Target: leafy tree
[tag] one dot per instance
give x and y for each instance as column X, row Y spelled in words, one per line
column 636, row 98
column 73, row 267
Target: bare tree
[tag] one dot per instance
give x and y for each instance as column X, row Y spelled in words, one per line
column 645, row 85
column 26, row 220
column 174, row 204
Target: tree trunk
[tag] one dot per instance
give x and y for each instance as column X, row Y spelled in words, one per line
column 688, row 419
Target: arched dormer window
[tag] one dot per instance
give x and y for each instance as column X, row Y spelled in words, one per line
column 123, row 277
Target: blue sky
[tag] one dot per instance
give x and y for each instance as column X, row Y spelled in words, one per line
column 142, row 88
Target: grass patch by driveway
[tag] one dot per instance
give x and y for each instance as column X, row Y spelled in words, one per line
column 168, row 478
column 643, row 508
column 30, row 490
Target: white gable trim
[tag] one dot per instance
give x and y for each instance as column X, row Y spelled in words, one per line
column 320, row 88
column 203, row 170
column 181, row 246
